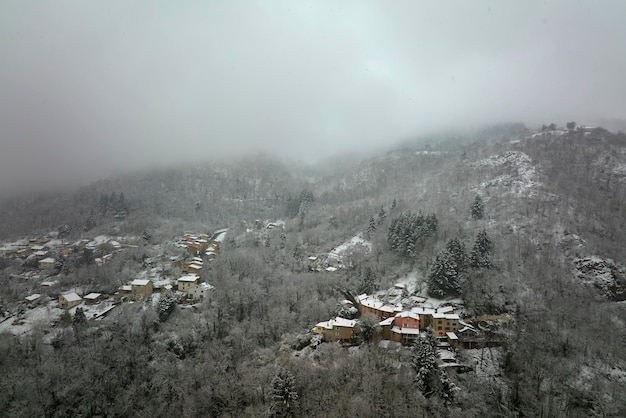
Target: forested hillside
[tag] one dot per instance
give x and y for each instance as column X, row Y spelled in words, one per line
column 524, row 225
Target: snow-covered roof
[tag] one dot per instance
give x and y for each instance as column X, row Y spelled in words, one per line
column 33, row 297
column 205, row 286
column 451, row 336
column 188, row 278
column 406, row 331
column 48, row 283
column 337, row 322
column 92, row 296
column 37, row 247
column 407, row 314
column 72, row 297
column 423, row 311
column 140, row 282
column 439, row 315
column 196, row 266
column 197, row 260
column 127, row 288
column 48, row 260
column 40, row 253
column 445, row 309
column 386, row 322
column 331, row 268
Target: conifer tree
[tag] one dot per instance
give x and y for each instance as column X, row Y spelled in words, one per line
column 480, row 255
column 382, row 215
column 367, row 282
column 284, row 394
column 424, row 364
column 444, row 275
column 477, row 208
column 371, row 227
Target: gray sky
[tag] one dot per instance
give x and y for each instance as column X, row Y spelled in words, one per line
column 91, row 88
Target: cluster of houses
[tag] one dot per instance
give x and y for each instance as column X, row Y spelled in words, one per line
column 404, row 324
column 189, row 285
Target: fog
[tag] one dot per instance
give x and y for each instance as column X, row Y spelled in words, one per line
column 88, row 89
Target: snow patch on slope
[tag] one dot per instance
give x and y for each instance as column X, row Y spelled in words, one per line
column 339, row 251
column 602, row 274
column 518, row 177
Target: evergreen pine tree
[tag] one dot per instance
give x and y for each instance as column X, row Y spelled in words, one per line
column 371, row 227
column 382, row 215
column 79, row 317
column 284, row 394
column 444, row 275
column 367, row 282
column 457, row 251
column 424, row 364
column 479, row 256
column 477, row 208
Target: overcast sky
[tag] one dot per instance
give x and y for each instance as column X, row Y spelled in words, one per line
column 91, row 88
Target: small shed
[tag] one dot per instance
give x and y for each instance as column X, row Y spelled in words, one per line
column 93, row 298
column 69, row 300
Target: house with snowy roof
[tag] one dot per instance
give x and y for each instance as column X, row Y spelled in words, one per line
column 188, row 281
column 200, row 292
column 47, row 263
column 337, row 329
column 141, row 288
column 444, row 322
column 93, row 298
column 69, row 300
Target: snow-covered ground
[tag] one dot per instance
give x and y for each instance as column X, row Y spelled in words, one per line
column 601, row 273
column 485, row 361
column 339, row 251
column 519, row 177
column 46, row 314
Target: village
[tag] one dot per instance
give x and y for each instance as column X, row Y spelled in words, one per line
column 43, row 258
column 402, row 319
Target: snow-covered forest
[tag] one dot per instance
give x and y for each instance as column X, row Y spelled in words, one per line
column 505, row 222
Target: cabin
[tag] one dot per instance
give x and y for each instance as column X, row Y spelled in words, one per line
column 444, row 322
column 93, row 298
column 200, row 292
column 338, row 329
column 185, row 282
column 69, row 300
column 405, row 328
column 33, row 299
column 141, row 288
column 47, row 263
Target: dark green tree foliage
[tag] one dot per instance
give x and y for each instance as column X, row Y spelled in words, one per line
column 167, row 303
column 480, row 255
column 478, row 208
column 424, row 364
column 409, row 230
column 79, row 317
column 370, row 326
column 382, row 215
column 457, row 251
column 444, row 275
column 371, row 227
column 296, row 204
column 284, row 394
column 367, row 281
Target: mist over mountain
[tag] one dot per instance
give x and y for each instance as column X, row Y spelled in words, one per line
column 93, row 90
column 551, row 204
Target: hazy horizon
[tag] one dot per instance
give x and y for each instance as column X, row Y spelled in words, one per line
column 94, row 89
